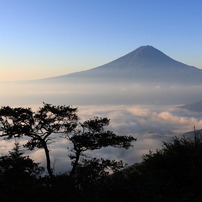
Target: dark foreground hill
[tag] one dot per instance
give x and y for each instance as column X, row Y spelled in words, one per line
column 171, row 173
column 145, row 64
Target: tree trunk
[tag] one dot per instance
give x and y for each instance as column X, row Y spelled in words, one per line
column 75, row 163
column 48, row 166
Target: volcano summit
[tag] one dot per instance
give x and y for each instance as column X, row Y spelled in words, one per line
column 145, row 64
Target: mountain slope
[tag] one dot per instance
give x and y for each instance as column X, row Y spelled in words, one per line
column 196, row 106
column 145, row 64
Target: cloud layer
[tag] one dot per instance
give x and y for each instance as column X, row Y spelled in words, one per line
column 149, row 124
column 147, row 112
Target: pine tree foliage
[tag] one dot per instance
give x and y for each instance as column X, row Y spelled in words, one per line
column 16, row 168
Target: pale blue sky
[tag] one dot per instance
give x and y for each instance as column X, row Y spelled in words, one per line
column 44, row 38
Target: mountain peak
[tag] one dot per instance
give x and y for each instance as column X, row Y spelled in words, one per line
column 145, row 63
column 148, row 56
column 144, row 56
column 145, row 47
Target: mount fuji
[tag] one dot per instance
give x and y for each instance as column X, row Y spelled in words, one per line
column 145, row 64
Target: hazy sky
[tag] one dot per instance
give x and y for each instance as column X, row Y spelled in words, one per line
column 44, row 38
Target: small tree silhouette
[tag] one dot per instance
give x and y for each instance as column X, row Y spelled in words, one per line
column 16, row 169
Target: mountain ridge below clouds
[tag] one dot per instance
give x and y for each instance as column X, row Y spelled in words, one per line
column 196, row 106
column 145, row 64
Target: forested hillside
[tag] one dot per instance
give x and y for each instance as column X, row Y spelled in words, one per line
column 172, row 173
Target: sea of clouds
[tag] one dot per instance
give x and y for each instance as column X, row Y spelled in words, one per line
column 149, row 113
column 151, row 125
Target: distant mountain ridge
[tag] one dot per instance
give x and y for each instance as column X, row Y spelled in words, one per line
column 145, row 64
column 196, row 106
